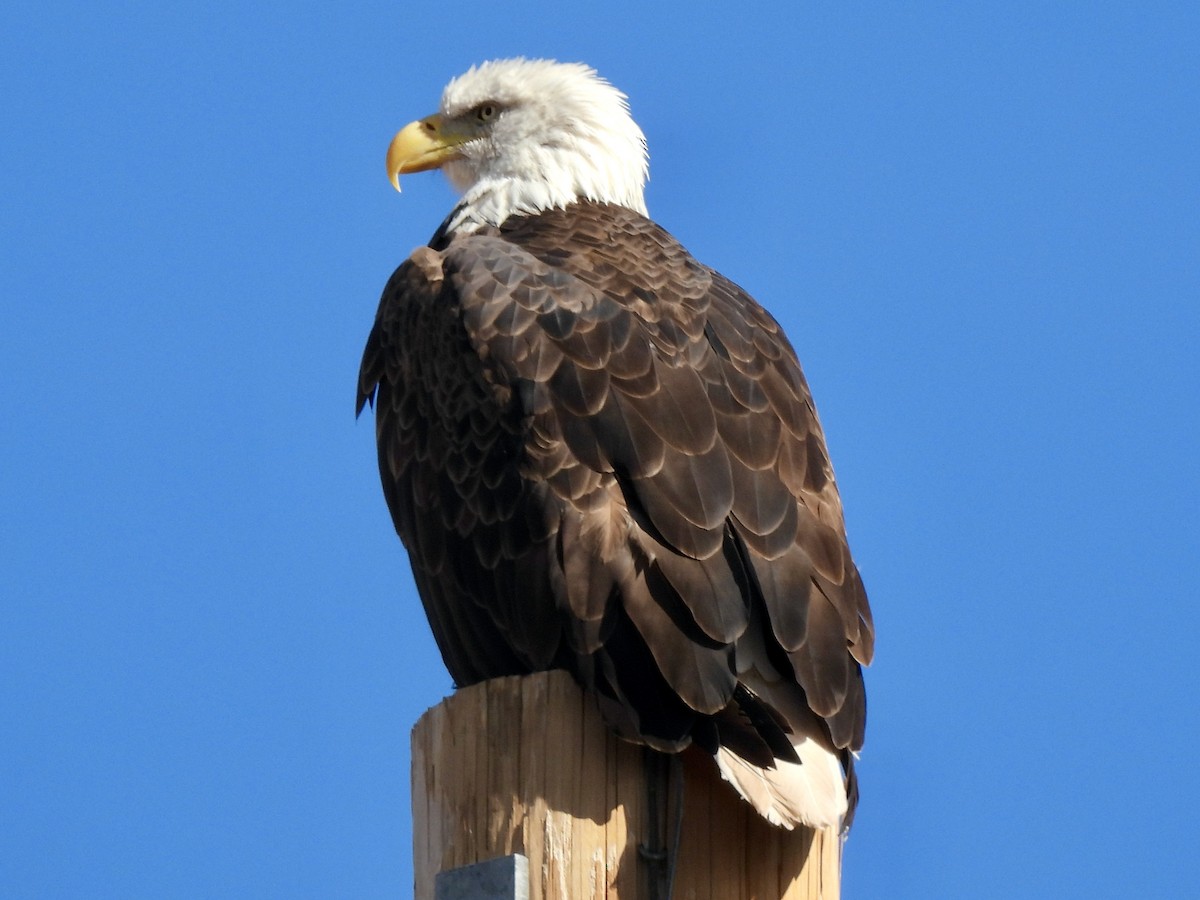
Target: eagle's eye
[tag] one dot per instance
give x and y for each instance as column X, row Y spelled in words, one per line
column 485, row 113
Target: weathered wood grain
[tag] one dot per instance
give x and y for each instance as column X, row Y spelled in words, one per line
column 526, row 765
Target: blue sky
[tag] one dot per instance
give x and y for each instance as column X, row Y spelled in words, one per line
column 980, row 225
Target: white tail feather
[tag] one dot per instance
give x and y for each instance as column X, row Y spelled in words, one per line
column 810, row 793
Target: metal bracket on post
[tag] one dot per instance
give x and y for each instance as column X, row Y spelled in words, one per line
column 503, row 878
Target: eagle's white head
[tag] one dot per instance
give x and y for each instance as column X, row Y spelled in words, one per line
column 524, row 135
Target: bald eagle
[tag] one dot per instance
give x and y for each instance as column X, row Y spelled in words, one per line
column 602, row 455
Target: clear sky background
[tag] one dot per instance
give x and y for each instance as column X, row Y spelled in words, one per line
column 979, row 225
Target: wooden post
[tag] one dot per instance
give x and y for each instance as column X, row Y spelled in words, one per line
column 525, row 765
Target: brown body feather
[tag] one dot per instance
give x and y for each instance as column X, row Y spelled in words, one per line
column 602, row 456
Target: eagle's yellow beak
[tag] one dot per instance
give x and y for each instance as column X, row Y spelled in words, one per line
column 421, row 145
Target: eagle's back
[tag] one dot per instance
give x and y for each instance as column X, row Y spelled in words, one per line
column 602, row 456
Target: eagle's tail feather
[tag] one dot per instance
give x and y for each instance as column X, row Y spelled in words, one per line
column 811, row 792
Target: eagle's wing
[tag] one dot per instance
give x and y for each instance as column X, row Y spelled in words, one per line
column 446, row 444
column 603, row 456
